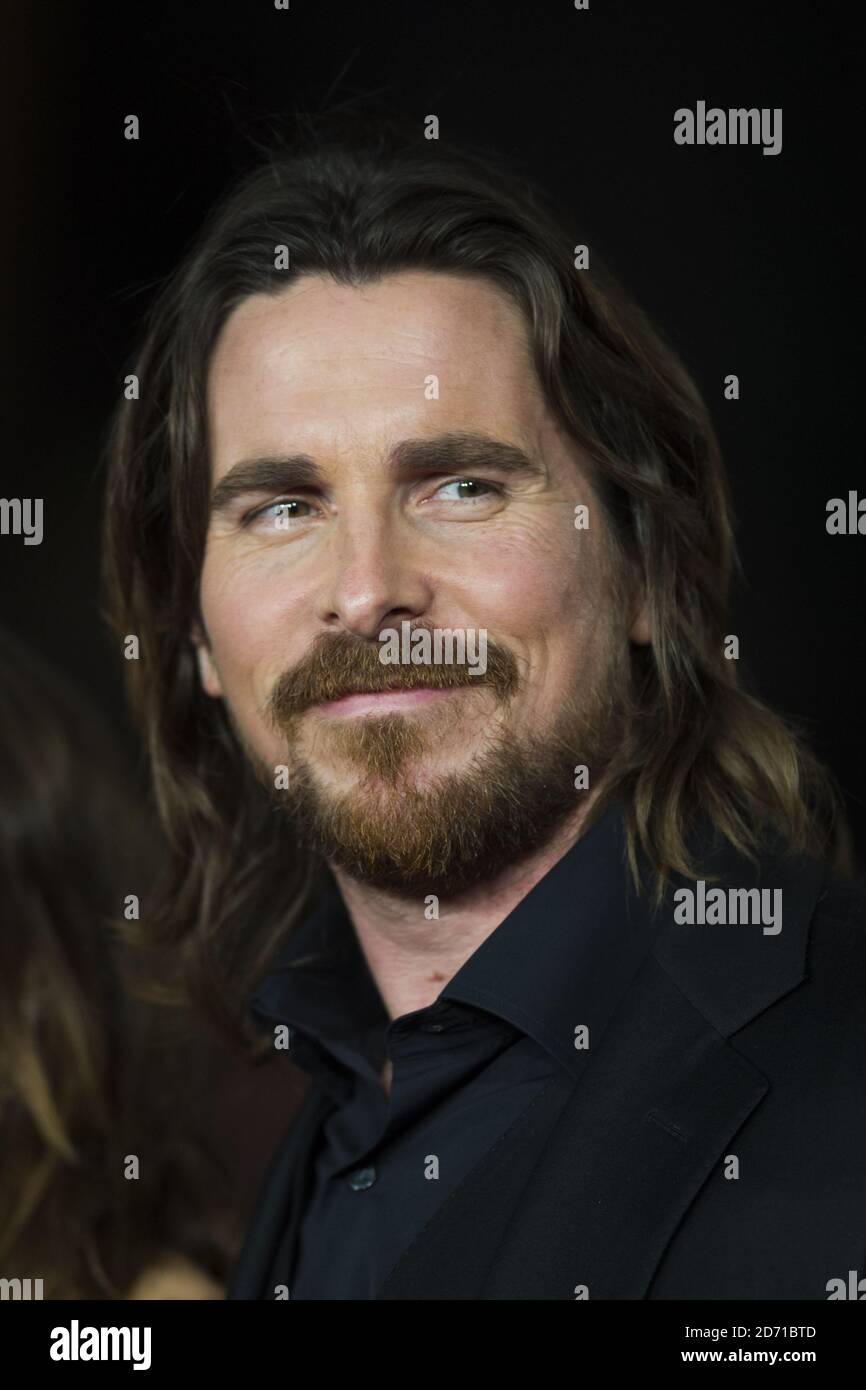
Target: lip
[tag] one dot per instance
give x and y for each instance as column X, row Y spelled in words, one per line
column 381, row 702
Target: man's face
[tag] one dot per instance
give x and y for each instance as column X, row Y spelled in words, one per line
column 308, row 562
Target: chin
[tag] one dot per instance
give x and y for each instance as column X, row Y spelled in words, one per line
column 418, row 774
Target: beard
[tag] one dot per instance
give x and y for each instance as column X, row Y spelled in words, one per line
column 437, row 833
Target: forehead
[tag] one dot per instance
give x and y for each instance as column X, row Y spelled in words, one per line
column 327, row 362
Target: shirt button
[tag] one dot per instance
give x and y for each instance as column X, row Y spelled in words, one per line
column 433, row 1028
column 362, row 1178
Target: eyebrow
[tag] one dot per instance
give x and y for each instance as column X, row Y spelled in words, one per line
column 445, row 453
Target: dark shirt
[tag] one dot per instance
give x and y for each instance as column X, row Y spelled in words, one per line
column 538, row 990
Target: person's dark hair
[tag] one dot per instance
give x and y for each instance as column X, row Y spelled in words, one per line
column 90, row 1072
column 357, row 200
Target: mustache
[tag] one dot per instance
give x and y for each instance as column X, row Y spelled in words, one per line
column 340, row 664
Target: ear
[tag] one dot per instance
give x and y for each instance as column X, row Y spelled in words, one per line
column 641, row 632
column 208, row 674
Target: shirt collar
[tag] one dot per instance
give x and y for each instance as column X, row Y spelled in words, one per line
column 560, row 961
column 564, row 956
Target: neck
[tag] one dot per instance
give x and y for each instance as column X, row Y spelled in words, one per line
column 412, row 958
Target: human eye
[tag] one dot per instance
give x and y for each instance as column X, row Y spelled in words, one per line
column 280, row 513
column 477, row 490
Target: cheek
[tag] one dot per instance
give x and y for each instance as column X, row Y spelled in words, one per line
column 258, row 625
column 546, row 599
column 531, row 588
column 237, row 621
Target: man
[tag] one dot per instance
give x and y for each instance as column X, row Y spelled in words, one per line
column 423, row 535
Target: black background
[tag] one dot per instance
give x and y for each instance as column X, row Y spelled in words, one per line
column 748, row 262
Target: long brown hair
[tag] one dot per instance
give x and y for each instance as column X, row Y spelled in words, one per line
column 357, row 199
column 90, row 1073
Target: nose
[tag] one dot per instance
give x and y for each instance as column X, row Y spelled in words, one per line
column 374, row 578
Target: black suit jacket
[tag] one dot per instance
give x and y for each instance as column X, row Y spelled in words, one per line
column 712, row 1146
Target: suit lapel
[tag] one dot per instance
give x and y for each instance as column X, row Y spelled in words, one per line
column 645, row 1129
column 453, row 1255
column 597, row 1174
column 587, row 1189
